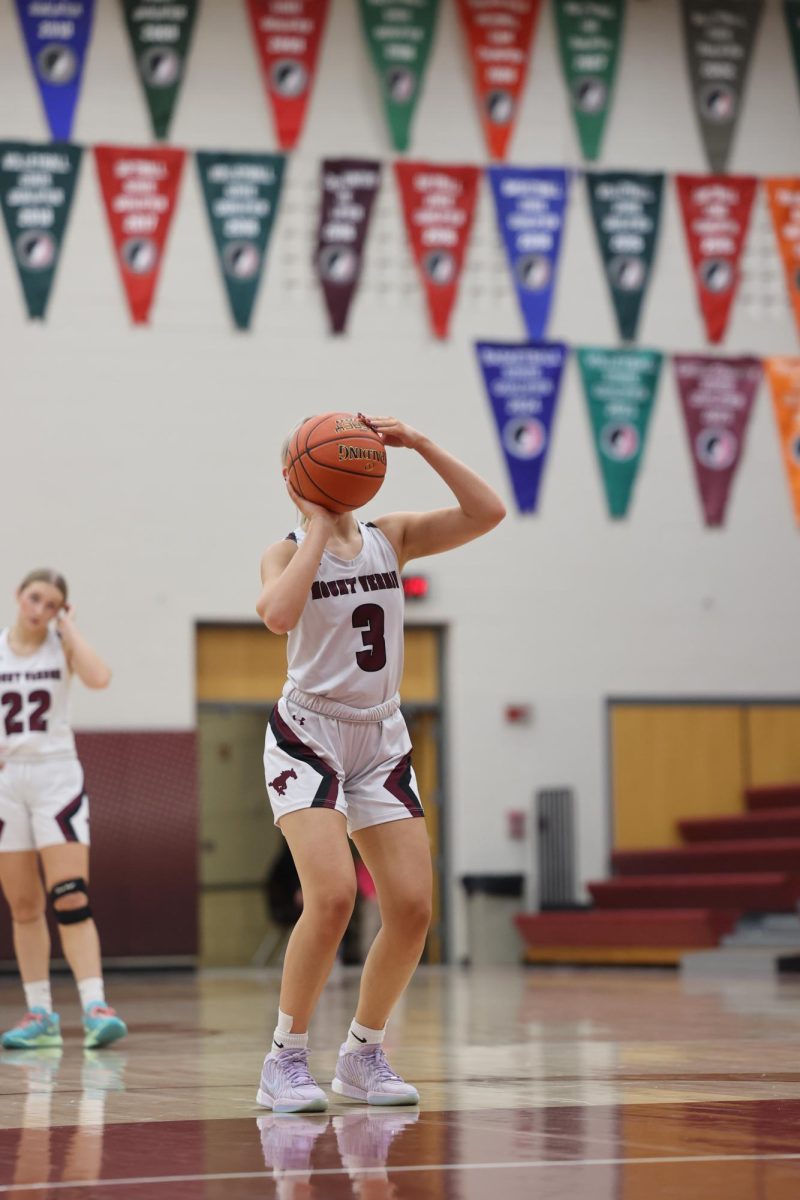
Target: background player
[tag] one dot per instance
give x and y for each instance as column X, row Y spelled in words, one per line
column 338, row 761
column 44, row 811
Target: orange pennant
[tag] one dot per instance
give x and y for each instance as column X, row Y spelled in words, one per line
column 784, row 380
column 784, row 203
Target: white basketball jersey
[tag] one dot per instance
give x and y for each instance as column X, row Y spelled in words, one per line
column 348, row 643
column 34, row 702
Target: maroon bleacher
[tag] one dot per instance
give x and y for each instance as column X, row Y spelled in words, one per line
column 684, row 897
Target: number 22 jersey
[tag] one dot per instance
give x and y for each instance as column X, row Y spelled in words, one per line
column 34, row 702
column 348, row 643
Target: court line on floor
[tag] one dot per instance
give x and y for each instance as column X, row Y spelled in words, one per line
column 533, row 1164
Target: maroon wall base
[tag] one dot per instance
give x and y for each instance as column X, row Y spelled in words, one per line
column 144, row 826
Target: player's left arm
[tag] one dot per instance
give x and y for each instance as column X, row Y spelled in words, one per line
column 81, row 658
column 415, row 535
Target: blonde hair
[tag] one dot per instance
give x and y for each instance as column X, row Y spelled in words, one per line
column 45, row 575
column 285, row 454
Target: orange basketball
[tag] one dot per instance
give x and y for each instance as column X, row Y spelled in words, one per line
column 337, row 461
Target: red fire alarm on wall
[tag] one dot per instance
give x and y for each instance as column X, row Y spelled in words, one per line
column 415, row 587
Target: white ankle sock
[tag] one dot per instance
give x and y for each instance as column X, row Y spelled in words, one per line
column 284, row 1039
column 361, row 1035
column 91, row 991
column 37, row 995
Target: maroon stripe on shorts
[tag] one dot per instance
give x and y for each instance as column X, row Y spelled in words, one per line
column 288, row 741
column 66, row 815
column 399, row 785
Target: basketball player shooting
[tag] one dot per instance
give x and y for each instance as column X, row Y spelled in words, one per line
column 338, row 754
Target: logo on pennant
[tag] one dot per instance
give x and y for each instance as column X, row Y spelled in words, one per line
column 438, row 203
column 160, row 32
column 242, row 193
column 530, row 205
column 288, row 38
column 37, row 184
column 139, row 188
column 620, row 388
column 784, row 202
column 717, row 396
column 716, row 215
column 349, row 187
column 626, row 210
column 784, row 379
column 499, row 35
column 589, row 37
column 399, row 34
column 522, row 383
column 719, row 37
column 57, row 37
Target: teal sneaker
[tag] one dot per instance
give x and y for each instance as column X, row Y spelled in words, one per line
column 101, row 1026
column 37, row 1029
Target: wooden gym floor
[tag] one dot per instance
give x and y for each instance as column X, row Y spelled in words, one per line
column 555, row 1084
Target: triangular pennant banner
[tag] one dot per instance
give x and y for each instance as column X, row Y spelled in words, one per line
column 530, row 206
column 522, row 383
column 438, row 203
column 784, row 379
column 399, row 34
column 589, row 36
column 349, row 188
column 160, row 32
column 716, row 215
column 719, row 37
column 139, row 187
column 626, row 209
column 288, row 38
column 784, row 203
column 242, row 193
column 620, row 388
column 37, row 184
column 717, row 397
column 499, row 35
column 57, row 36
column 792, row 11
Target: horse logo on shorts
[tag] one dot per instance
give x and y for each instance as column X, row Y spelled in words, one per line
column 281, row 782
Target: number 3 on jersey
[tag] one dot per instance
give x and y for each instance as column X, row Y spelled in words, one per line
column 370, row 618
column 37, row 717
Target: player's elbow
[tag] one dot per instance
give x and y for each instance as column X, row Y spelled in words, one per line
column 275, row 620
column 495, row 513
column 99, row 679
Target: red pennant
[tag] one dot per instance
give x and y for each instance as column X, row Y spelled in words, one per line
column 716, row 214
column 784, row 203
column 139, row 187
column 438, row 203
column 288, row 34
column 499, row 34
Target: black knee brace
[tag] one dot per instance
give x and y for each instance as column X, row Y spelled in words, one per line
column 70, row 916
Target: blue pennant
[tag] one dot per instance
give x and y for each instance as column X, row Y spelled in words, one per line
column 522, row 381
column 530, row 205
column 57, row 36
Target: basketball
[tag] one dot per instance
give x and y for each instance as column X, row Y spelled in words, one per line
column 337, row 461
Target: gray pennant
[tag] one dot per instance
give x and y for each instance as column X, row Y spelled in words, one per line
column 719, row 37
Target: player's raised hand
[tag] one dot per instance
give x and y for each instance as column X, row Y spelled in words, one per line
column 393, row 432
column 307, row 508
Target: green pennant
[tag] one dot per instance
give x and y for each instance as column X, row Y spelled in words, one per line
column 589, row 36
column 620, row 388
column 160, row 32
column 241, row 192
column 626, row 210
column 399, row 34
column 792, row 11
column 37, row 183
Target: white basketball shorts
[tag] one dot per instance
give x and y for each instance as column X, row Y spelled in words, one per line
column 42, row 803
column 362, row 770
